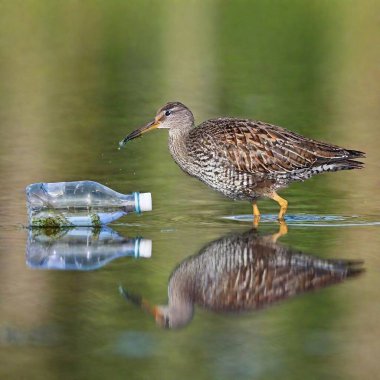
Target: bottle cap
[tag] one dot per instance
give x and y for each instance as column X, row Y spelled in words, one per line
column 145, row 200
column 145, row 248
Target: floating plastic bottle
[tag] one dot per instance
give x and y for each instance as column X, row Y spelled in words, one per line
column 81, row 248
column 82, row 203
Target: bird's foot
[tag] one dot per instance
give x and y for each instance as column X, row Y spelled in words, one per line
column 283, row 205
column 283, row 230
column 256, row 214
column 281, row 214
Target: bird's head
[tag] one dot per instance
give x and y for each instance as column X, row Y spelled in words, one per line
column 166, row 316
column 170, row 317
column 173, row 116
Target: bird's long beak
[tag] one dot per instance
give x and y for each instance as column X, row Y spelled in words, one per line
column 138, row 132
column 137, row 300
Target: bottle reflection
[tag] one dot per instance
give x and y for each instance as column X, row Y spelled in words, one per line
column 241, row 272
column 81, row 249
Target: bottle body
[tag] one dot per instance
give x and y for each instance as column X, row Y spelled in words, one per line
column 81, row 203
column 82, row 248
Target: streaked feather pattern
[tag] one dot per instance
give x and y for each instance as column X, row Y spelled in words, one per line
column 242, row 272
column 247, row 159
column 247, row 271
column 256, row 147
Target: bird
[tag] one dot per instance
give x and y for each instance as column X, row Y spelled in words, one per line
column 242, row 272
column 245, row 159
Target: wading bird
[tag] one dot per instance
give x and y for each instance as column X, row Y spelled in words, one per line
column 245, row 159
column 242, row 272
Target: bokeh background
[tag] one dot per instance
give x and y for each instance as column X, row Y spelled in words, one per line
column 77, row 76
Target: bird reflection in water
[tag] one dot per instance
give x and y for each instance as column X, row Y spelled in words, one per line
column 242, row 272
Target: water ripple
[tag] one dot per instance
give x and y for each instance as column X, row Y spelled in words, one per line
column 312, row 220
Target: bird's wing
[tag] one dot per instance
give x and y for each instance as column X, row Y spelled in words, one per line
column 257, row 147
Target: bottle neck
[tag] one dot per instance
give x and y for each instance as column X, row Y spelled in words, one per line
column 129, row 202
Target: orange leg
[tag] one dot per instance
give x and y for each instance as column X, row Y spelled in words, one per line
column 281, row 232
column 256, row 214
column 283, row 205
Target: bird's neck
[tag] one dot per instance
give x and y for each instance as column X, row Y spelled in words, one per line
column 180, row 292
column 177, row 145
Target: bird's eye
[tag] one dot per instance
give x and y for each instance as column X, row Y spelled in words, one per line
column 167, row 113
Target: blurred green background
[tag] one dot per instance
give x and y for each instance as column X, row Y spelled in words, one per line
column 77, row 76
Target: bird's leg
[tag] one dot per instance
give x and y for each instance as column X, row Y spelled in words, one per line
column 256, row 214
column 256, row 211
column 281, row 232
column 283, row 205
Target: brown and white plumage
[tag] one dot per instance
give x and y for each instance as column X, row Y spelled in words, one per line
column 242, row 272
column 261, row 148
column 246, row 159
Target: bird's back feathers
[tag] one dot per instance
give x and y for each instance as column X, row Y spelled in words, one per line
column 260, row 148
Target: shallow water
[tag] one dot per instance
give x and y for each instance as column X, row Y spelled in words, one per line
column 77, row 77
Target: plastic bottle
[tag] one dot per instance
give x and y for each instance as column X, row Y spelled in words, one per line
column 81, row 248
column 82, row 203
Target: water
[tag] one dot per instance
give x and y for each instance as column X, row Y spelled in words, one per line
column 78, row 77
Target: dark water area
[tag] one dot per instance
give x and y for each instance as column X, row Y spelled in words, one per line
column 76, row 77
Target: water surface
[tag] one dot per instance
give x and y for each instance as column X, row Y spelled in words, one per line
column 77, row 77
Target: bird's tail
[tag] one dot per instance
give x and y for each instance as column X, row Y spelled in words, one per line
column 355, row 153
column 345, row 268
column 348, row 165
column 334, row 166
column 354, row 268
